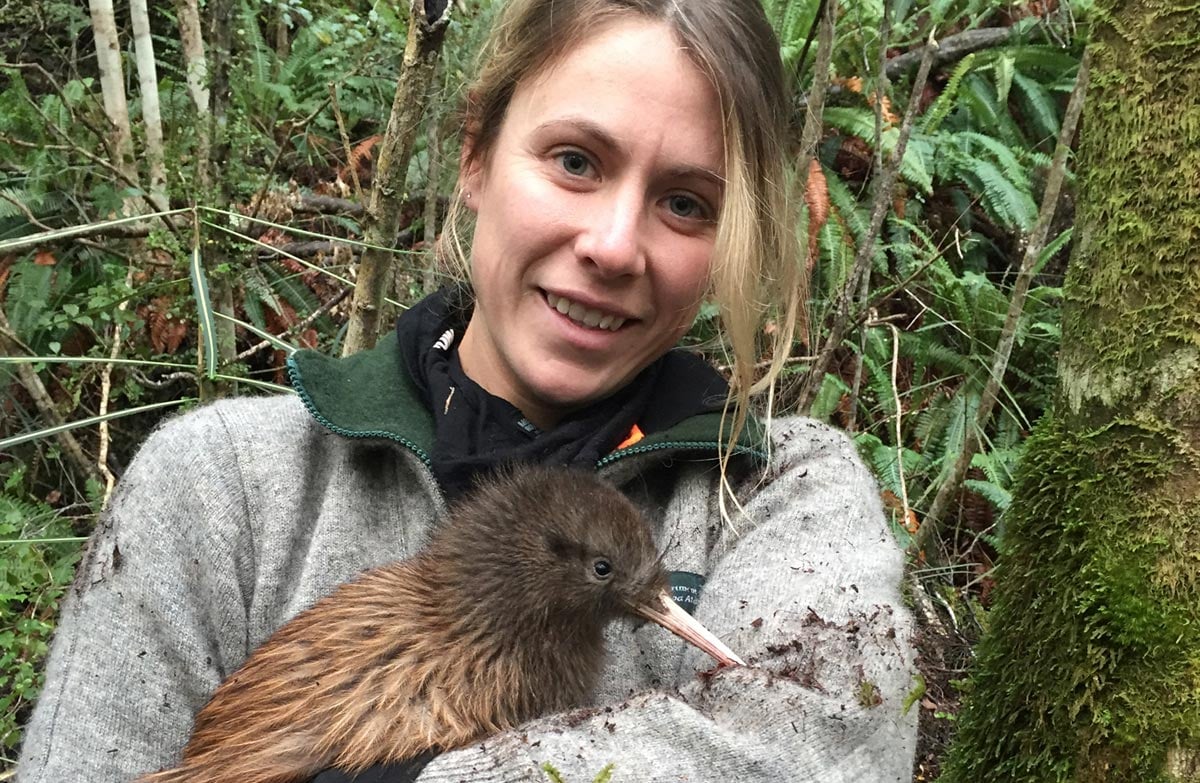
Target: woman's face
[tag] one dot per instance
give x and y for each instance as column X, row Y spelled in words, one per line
column 596, row 215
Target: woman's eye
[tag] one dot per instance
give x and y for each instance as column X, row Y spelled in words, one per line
column 685, row 207
column 575, row 163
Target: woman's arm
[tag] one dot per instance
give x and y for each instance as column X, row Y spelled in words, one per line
column 809, row 593
column 155, row 618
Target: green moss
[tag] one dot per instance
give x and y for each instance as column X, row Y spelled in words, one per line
column 1090, row 672
column 1136, row 298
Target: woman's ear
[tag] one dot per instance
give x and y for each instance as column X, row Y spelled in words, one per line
column 471, row 160
column 470, row 174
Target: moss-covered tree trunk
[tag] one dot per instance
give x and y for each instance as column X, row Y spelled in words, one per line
column 1090, row 671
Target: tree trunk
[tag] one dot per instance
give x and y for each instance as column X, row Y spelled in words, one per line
column 112, row 88
column 1089, row 671
column 143, row 48
column 196, row 67
column 427, row 24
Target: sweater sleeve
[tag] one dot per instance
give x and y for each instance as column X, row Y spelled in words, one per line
column 156, row 616
column 808, row 593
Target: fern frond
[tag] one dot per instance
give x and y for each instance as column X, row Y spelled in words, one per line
column 1039, row 106
column 946, row 100
column 996, row 495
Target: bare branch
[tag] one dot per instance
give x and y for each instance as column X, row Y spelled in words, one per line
column 885, row 181
column 10, row 345
column 303, row 324
column 341, row 124
column 950, row 49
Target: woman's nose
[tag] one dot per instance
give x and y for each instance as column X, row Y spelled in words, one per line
column 611, row 234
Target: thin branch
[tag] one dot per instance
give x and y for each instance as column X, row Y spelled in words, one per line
column 341, row 124
column 884, row 183
column 105, row 164
column 33, row 386
column 951, row 49
column 1037, row 242
column 82, row 119
column 26, row 211
column 899, row 415
column 292, row 124
column 815, row 105
column 314, row 315
column 110, row 480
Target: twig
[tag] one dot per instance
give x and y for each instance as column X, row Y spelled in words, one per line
column 859, row 359
column 728, row 368
column 1037, row 242
column 110, row 480
column 341, row 124
column 818, row 18
column 885, row 181
column 815, row 105
column 256, row 202
column 33, row 385
column 107, row 165
column 165, row 380
column 314, row 315
column 26, row 211
column 84, row 120
column 899, row 414
column 433, row 144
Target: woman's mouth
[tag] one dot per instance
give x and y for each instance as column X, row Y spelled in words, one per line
column 584, row 316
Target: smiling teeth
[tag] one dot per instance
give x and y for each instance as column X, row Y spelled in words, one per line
column 580, row 314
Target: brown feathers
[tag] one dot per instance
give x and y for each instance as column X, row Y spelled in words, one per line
column 497, row 621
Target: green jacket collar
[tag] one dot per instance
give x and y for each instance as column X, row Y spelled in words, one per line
column 370, row 395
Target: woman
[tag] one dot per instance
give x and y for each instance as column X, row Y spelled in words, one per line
column 621, row 159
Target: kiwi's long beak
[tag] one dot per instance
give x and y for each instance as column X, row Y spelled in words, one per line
column 671, row 616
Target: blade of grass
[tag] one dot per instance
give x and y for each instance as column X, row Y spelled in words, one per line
column 70, row 425
column 208, row 332
column 272, row 339
column 88, row 360
column 47, row 237
column 252, row 382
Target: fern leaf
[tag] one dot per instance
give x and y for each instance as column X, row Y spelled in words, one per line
column 941, row 107
column 1038, row 105
column 996, row 495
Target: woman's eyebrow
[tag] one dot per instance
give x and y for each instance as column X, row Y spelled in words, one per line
column 606, row 139
column 697, row 172
column 584, row 126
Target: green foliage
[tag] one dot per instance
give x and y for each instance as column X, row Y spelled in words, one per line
column 792, row 21
column 33, row 578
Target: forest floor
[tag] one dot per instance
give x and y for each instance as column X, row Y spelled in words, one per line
column 942, row 658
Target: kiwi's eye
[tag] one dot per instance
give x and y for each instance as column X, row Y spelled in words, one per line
column 602, row 568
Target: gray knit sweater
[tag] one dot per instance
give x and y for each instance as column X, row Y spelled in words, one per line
column 236, row 516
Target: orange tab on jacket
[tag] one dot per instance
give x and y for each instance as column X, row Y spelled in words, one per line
column 635, row 434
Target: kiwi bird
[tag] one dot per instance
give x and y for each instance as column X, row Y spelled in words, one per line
column 497, row 620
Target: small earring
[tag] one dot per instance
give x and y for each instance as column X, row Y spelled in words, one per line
column 468, row 196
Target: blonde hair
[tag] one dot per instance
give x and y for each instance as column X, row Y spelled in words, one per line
column 757, row 269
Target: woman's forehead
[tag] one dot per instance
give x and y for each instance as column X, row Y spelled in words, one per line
column 629, row 82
